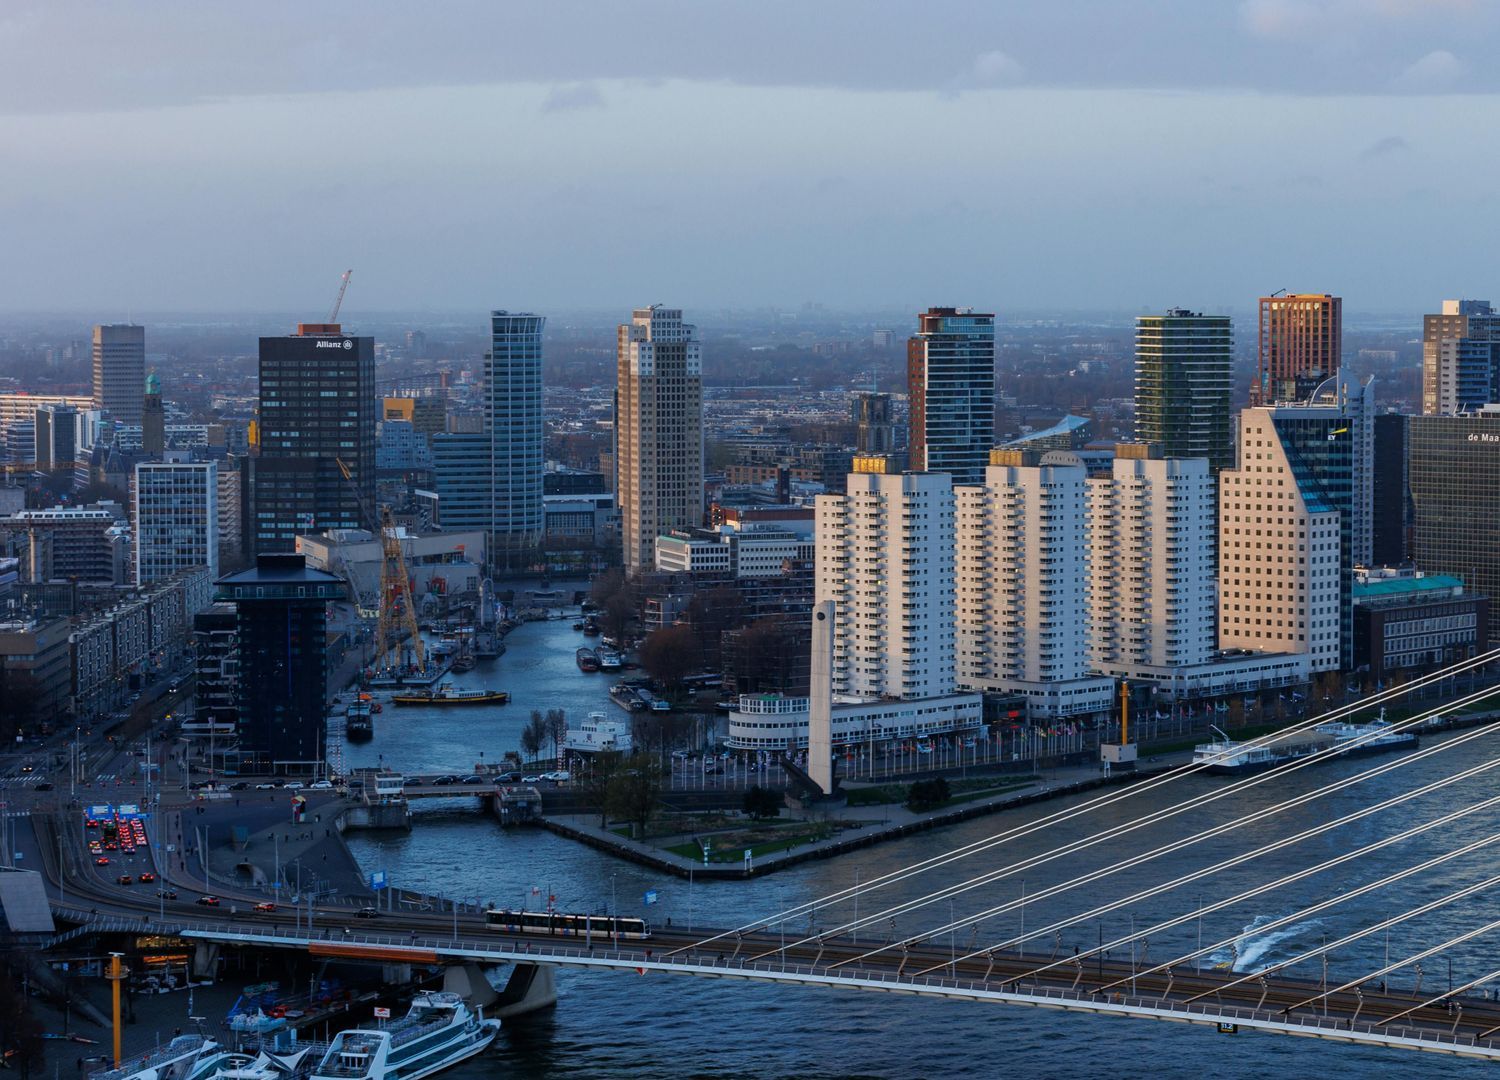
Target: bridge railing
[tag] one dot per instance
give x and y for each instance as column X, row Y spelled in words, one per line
column 715, row 961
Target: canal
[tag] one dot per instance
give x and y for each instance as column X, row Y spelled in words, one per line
column 609, row 1025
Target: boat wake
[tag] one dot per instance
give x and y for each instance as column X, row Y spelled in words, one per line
column 1251, row 947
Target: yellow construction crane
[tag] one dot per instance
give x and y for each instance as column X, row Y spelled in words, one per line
column 398, row 607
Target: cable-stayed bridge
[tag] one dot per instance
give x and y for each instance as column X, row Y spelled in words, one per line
column 1347, row 899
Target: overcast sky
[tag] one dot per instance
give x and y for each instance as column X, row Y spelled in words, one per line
column 195, row 155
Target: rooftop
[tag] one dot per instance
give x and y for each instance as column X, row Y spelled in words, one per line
column 1405, row 586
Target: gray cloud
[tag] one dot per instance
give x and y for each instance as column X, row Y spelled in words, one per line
column 1391, row 144
column 584, row 95
column 67, row 55
column 1438, row 70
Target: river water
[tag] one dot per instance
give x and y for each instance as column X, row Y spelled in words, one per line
column 609, row 1025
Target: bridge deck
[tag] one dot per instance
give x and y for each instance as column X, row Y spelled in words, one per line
column 1471, row 1027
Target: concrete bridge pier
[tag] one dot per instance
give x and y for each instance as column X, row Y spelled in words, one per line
column 205, row 959
column 530, row 987
column 468, row 982
column 396, row 974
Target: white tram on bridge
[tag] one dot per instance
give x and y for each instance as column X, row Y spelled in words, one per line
column 560, row 924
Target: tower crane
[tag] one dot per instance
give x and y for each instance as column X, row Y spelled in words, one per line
column 343, row 287
column 398, row 607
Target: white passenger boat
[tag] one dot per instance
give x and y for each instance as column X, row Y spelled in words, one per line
column 1226, row 756
column 439, row 1031
column 598, row 733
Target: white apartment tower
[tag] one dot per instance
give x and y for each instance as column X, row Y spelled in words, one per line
column 1023, row 575
column 176, row 511
column 1279, row 558
column 885, row 558
column 1152, row 524
column 658, row 430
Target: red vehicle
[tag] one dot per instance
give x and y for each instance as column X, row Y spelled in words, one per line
column 148, row 877
column 266, row 906
column 102, row 860
column 209, row 901
column 91, row 824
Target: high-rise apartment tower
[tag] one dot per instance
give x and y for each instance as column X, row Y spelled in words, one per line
column 1300, row 340
column 1182, row 385
column 950, row 374
column 658, row 430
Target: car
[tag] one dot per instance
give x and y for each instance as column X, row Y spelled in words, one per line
column 240, row 785
column 294, row 785
column 44, row 786
column 322, row 785
column 531, row 779
column 265, row 906
column 472, row 780
column 124, row 879
column 148, row 877
column 681, row 755
column 508, row 778
column 208, row 901
column 367, row 913
column 713, row 770
column 28, row 767
column 265, row 787
column 443, row 781
column 559, row 776
column 90, row 823
column 110, row 845
column 102, row 860
column 167, row 894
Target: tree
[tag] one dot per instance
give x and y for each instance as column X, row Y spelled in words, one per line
column 616, row 615
column 761, row 803
column 927, row 794
column 606, row 585
column 592, row 782
column 534, row 735
column 669, row 654
column 557, row 727
column 632, row 791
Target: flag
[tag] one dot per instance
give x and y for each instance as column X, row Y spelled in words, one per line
column 1336, row 432
column 650, row 896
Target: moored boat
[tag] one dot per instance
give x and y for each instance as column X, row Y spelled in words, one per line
column 1333, row 739
column 610, row 660
column 447, row 694
column 587, row 659
column 359, row 726
column 439, row 1031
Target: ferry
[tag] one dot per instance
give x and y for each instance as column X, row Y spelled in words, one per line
column 358, row 724
column 588, row 660
column 610, row 660
column 598, row 733
column 187, row 1057
column 448, row 694
column 1224, row 756
column 440, row 1030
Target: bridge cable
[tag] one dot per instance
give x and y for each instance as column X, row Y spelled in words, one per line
column 1175, row 810
column 1208, row 871
column 1132, row 790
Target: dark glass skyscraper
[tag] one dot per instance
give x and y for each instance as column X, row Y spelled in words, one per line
column 281, row 625
column 950, row 373
column 317, row 409
column 1455, row 496
column 1182, row 382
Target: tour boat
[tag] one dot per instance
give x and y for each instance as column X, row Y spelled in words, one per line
column 610, row 660
column 1338, row 739
column 440, row 1030
column 447, row 694
column 187, row 1057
